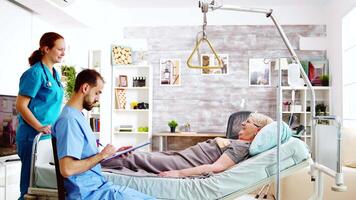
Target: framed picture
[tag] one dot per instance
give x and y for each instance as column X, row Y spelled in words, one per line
column 122, row 81
column 170, row 72
column 259, row 72
column 8, row 125
column 210, row 60
column 120, row 55
column 120, row 98
column 94, row 59
column 317, row 69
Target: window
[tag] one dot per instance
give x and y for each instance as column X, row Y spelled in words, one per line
column 349, row 68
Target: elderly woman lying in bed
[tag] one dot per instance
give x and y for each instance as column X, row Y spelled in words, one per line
column 214, row 155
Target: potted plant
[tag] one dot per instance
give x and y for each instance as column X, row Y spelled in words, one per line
column 173, row 124
column 69, row 73
column 324, row 80
column 320, row 109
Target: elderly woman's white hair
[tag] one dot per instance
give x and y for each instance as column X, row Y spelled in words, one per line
column 260, row 120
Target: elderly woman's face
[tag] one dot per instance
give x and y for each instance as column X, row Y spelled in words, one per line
column 248, row 130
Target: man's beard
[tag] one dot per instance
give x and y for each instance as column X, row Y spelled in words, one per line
column 88, row 105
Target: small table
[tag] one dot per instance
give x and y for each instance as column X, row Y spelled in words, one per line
column 10, row 167
column 163, row 137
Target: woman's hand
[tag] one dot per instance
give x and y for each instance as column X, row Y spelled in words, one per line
column 172, row 173
column 44, row 129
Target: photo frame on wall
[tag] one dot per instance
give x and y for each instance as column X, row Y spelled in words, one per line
column 259, row 72
column 122, row 82
column 8, row 125
column 170, row 72
column 210, row 60
column 317, row 70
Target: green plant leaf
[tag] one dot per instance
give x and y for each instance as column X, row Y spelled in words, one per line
column 172, row 124
column 70, row 73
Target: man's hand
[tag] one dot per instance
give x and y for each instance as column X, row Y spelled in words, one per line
column 108, row 151
column 123, row 149
column 70, row 166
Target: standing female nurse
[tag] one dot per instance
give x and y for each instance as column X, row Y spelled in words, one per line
column 39, row 99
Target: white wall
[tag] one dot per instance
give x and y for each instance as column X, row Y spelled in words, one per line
column 336, row 10
column 15, row 40
column 348, row 68
column 19, row 37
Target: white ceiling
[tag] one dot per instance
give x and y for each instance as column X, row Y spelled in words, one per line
column 50, row 11
column 194, row 3
column 89, row 13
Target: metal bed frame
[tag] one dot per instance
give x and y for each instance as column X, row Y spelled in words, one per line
column 35, row 192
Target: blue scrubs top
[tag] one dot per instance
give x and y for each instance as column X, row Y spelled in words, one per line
column 46, row 99
column 76, row 139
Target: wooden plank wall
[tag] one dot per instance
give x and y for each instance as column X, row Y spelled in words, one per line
column 206, row 101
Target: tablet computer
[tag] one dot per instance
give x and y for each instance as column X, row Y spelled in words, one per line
column 119, row 153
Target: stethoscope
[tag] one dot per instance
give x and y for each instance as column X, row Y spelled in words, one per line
column 48, row 83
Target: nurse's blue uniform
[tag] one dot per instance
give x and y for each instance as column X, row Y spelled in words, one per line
column 46, row 95
column 76, row 139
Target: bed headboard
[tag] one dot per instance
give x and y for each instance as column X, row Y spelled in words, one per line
column 234, row 123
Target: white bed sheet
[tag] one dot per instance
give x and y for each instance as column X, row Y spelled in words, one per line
column 45, row 176
column 240, row 177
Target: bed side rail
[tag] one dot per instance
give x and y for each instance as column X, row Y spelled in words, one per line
column 317, row 169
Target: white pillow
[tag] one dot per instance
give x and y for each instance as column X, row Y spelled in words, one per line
column 266, row 138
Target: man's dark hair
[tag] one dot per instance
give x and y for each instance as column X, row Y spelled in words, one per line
column 89, row 76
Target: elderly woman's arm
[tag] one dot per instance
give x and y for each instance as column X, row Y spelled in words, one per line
column 223, row 163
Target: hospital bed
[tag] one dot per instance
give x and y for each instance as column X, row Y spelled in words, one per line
column 243, row 178
column 240, row 179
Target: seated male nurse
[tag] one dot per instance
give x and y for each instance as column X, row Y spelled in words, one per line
column 79, row 158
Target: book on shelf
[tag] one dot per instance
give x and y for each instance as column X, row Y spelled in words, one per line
column 125, row 128
column 94, row 124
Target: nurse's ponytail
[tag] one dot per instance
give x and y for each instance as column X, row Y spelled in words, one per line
column 47, row 40
column 35, row 57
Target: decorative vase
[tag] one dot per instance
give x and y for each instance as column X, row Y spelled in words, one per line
column 173, row 129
